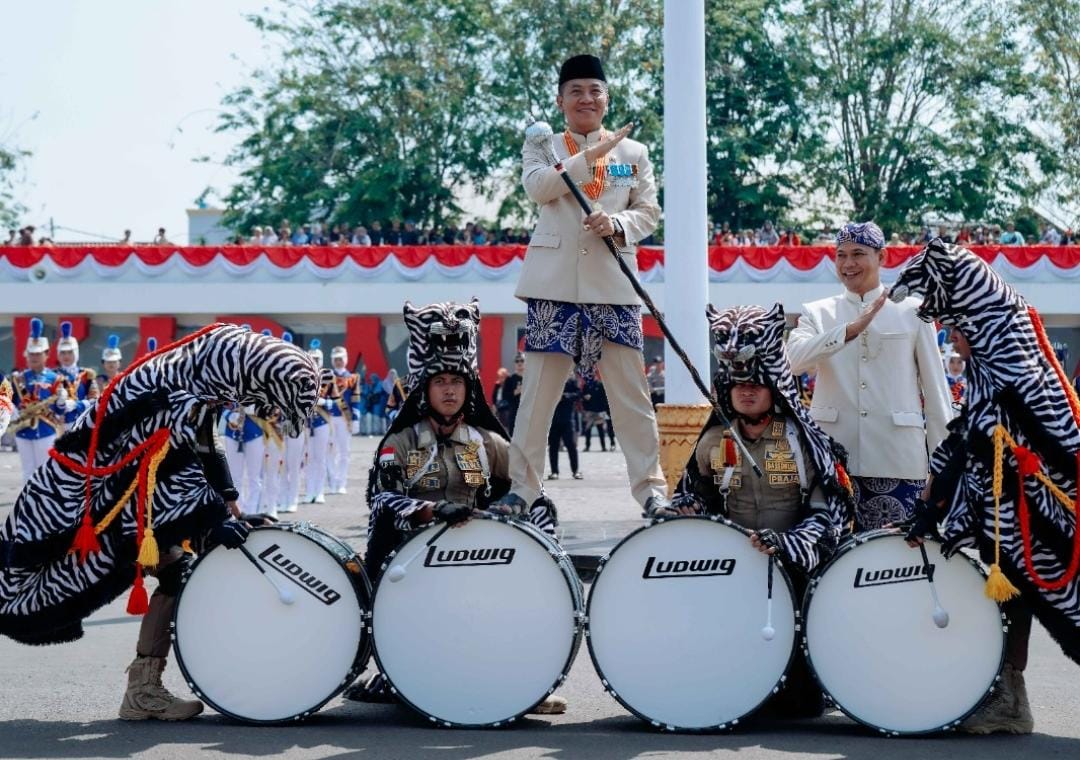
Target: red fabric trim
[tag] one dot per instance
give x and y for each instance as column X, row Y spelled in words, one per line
column 720, row 258
column 491, row 332
column 363, row 337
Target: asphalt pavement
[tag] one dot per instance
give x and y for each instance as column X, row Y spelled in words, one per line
column 61, row 701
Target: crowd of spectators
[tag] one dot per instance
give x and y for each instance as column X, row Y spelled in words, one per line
column 394, row 233
column 964, row 234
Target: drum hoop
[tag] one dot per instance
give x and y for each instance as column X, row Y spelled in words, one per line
column 731, row 724
column 854, row 541
column 360, row 585
column 570, row 577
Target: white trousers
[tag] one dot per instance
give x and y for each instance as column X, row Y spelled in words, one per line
column 246, row 468
column 294, row 462
column 33, row 453
column 341, row 442
column 315, row 462
column 632, row 415
column 273, row 477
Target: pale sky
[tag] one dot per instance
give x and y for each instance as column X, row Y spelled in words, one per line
column 125, row 94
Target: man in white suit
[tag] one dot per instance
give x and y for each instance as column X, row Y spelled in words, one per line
column 880, row 389
column 581, row 309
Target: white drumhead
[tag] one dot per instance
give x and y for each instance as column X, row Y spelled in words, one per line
column 252, row 656
column 481, row 626
column 874, row 646
column 675, row 620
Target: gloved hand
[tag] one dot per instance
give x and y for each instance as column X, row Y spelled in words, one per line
column 258, row 521
column 231, row 534
column 686, row 504
column 924, row 522
column 452, row 513
column 770, row 539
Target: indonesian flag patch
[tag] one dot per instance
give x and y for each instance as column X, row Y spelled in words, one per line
column 386, row 456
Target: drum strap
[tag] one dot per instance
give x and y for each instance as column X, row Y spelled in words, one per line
column 485, row 466
column 796, row 450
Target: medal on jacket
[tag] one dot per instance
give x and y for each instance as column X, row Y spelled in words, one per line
column 468, row 461
column 622, row 175
column 595, row 188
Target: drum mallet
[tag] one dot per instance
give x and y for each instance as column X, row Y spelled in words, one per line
column 539, row 135
column 284, row 594
column 768, row 631
column 941, row 617
column 397, row 572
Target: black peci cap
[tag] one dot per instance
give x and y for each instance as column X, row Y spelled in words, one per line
column 581, row 67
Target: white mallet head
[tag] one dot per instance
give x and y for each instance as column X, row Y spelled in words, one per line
column 286, row 596
column 941, row 617
column 768, row 632
column 395, row 573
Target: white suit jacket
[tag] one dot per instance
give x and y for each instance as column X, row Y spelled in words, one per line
column 883, row 396
column 564, row 262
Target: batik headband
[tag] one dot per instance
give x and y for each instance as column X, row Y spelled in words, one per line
column 865, row 233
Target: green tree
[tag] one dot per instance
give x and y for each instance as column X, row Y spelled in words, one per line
column 922, row 106
column 757, row 132
column 11, row 159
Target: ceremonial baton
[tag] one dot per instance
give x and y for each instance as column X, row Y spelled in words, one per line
column 539, row 134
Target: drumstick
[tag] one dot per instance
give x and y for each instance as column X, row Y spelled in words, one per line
column 397, row 572
column 941, row 617
column 768, row 631
column 284, row 594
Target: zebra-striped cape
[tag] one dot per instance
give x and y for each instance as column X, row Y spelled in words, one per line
column 1014, row 383
column 45, row 590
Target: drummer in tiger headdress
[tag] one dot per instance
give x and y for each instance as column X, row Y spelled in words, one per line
column 446, row 453
column 800, row 506
column 803, row 502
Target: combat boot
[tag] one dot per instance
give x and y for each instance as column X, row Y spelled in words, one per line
column 146, row 696
column 1007, row 711
column 552, row 705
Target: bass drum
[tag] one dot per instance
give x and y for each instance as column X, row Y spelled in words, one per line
column 873, row 644
column 251, row 656
column 475, row 625
column 675, row 624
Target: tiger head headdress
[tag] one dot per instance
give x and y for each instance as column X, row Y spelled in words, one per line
column 442, row 338
column 748, row 343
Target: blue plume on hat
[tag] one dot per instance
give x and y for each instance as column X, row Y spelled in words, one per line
column 315, row 343
column 65, row 329
column 287, row 336
column 114, row 341
column 151, row 344
column 245, row 326
column 942, row 336
column 266, row 332
column 37, row 327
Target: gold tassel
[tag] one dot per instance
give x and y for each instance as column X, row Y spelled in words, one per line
column 998, row 587
column 148, row 550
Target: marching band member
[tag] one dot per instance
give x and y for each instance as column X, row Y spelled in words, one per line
column 40, row 407
column 318, row 442
column 343, row 394
column 799, row 508
column 78, row 383
column 245, row 451
column 295, row 444
column 446, row 453
column 7, row 405
column 110, row 362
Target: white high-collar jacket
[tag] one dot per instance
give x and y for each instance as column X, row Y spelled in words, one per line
column 883, row 395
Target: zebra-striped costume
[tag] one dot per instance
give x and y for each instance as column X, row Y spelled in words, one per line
column 45, row 592
column 442, row 338
column 749, row 346
column 1011, row 382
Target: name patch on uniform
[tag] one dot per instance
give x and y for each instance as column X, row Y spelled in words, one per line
column 414, row 462
column 468, row 461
